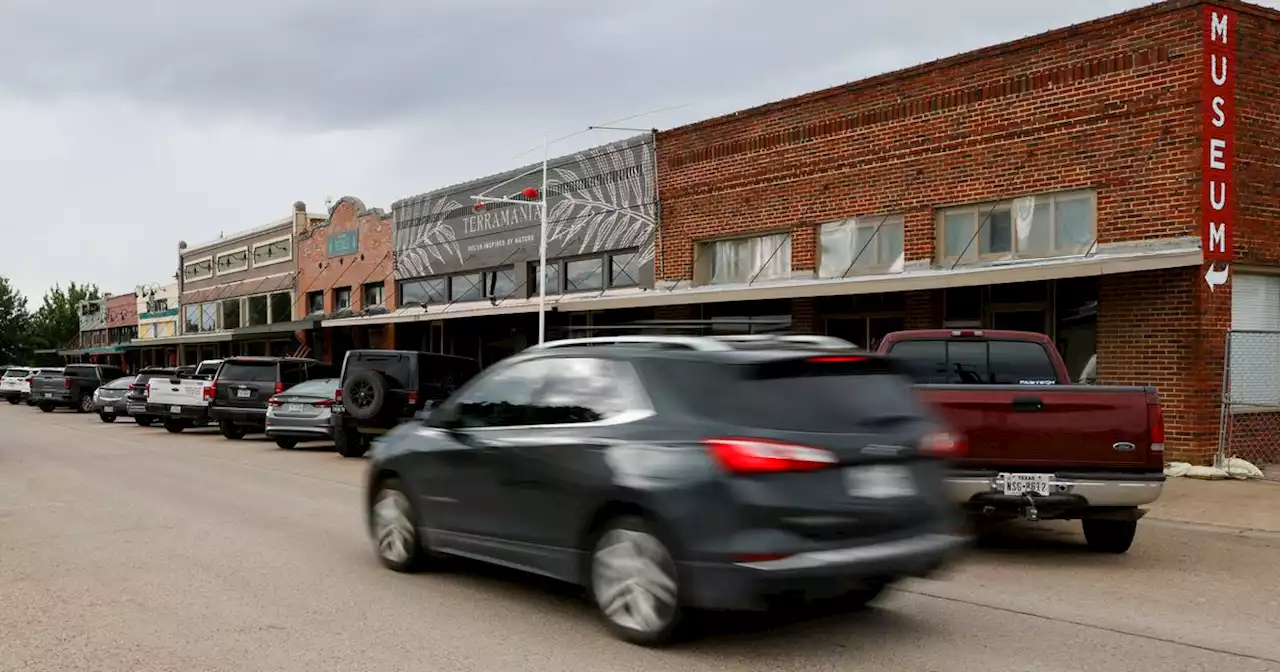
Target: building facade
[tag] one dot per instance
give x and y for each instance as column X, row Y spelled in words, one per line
column 345, row 270
column 93, row 326
column 157, row 309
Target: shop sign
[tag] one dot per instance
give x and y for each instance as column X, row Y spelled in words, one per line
column 342, row 244
column 1217, row 203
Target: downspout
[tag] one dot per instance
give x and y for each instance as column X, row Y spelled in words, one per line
column 657, row 214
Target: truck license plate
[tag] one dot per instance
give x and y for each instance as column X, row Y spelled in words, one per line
column 1021, row 484
column 175, row 410
column 879, row 481
column 48, row 395
column 243, row 394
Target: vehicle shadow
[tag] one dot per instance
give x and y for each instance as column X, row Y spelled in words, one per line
column 1051, row 539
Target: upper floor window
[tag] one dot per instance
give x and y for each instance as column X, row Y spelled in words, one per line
column 373, row 295
column 860, row 245
column 1023, row 228
column 273, row 251
column 315, row 302
column 737, row 260
column 198, row 270
column 235, row 260
column 341, row 298
column 200, row 317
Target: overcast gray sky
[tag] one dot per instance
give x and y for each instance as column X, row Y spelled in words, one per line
column 128, row 125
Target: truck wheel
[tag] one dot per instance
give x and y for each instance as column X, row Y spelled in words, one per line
column 349, row 443
column 85, row 405
column 46, row 408
column 14, row 400
column 143, row 420
column 230, row 430
column 107, row 417
column 174, row 426
column 1109, row 536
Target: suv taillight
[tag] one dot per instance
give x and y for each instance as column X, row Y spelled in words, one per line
column 210, row 391
column 337, row 395
column 755, row 456
column 66, row 383
column 945, row 445
column 279, row 387
column 411, row 398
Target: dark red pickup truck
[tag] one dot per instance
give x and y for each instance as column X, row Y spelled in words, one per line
column 1039, row 447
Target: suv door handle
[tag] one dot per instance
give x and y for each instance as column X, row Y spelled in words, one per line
column 1028, row 404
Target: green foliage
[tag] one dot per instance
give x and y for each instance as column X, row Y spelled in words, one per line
column 15, row 325
column 56, row 324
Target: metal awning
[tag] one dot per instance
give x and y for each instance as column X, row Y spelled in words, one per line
column 259, row 330
column 1108, row 260
column 185, row 339
column 101, row 350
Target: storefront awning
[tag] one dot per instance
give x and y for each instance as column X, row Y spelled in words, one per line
column 185, row 339
column 103, row 350
column 1107, row 260
column 262, row 330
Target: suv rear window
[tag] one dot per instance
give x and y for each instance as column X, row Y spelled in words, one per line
column 397, row 367
column 842, row 401
column 16, row 373
column 976, row 362
column 248, row 372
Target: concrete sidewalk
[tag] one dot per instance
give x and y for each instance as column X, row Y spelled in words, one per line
column 1249, row 505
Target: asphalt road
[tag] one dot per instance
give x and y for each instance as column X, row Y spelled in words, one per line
column 130, row 549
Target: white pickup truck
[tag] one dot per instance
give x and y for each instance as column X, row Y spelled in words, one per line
column 183, row 402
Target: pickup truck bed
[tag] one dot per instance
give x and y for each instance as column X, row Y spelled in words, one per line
column 1039, row 447
column 182, row 402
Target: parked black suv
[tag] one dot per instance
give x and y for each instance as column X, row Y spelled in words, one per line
column 379, row 389
column 243, row 385
column 73, row 387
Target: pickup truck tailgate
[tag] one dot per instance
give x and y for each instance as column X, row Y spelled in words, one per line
column 1059, row 426
column 176, row 392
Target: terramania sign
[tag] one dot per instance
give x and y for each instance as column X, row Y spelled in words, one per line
column 1217, row 166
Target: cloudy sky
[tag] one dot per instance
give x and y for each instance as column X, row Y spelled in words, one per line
column 128, row 125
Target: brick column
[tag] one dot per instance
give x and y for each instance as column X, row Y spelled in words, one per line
column 804, row 316
column 924, row 309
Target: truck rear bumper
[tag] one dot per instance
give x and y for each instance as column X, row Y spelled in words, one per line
column 1069, row 490
column 198, row 415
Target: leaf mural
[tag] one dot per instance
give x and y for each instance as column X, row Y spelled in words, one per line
column 433, row 240
column 606, row 203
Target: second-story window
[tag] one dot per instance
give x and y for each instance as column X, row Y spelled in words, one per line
column 341, row 298
column 737, row 260
column 373, row 295
column 235, row 260
column 315, row 302
column 272, row 252
column 1030, row 227
column 198, row 270
column 860, row 245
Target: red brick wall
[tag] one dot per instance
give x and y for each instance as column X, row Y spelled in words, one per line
column 371, row 262
column 122, row 310
column 1257, row 157
column 1110, row 105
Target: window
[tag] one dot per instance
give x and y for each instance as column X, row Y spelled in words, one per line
column 426, row 291
column 1023, row 228
column 208, row 316
column 503, row 398
column 272, row 252
column 500, row 284
column 166, row 329
column 550, row 391
column 200, row 317
column 976, row 362
column 624, row 269
column 466, row 288
column 553, row 278
column 231, row 314
column 235, row 260
column 198, row 270
column 157, row 305
column 315, row 302
column 744, row 259
column 373, row 295
column 281, row 307
column 146, row 331
column 854, row 246
column 1254, row 366
column 582, row 275
column 257, row 311
column 342, row 298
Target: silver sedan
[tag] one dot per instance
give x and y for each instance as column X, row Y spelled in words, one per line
column 302, row 412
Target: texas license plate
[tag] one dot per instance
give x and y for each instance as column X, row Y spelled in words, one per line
column 175, row 409
column 293, row 408
column 243, row 394
column 48, row 395
column 1021, row 484
column 879, row 481
column 338, row 409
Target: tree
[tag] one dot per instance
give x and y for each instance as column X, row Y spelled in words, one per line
column 15, row 325
column 57, row 322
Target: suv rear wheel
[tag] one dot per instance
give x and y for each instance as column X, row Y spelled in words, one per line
column 230, row 430
column 350, row 443
column 85, row 405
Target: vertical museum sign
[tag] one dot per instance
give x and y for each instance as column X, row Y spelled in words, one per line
column 1217, row 204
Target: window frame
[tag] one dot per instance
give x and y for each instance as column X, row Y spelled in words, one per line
column 217, row 258
column 611, row 281
column 319, row 293
column 337, row 292
column 381, row 286
column 703, row 266
column 978, row 212
column 194, row 262
column 893, row 220
column 272, row 262
column 271, row 316
column 602, row 260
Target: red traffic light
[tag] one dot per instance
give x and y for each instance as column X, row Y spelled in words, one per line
column 530, row 193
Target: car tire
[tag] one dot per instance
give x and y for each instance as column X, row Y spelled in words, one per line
column 1105, row 535
column 371, row 387
column 143, row 421
column 287, row 444
column 394, row 528
column 14, row 401
column 45, row 408
column 107, row 417
column 350, row 443
column 865, row 595
column 231, row 430
column 85, row 404
column 174, row 426
column 635, row 583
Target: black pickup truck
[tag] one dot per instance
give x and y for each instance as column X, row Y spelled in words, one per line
column 72, row 387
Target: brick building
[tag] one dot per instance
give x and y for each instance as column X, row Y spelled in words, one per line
column 345, row 270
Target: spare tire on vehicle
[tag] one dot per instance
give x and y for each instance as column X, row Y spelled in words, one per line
column 366, row 395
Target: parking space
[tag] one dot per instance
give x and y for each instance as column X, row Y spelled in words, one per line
column 127, row 548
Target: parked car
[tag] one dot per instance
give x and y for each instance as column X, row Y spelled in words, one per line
column 380, row 389
column 31, row 376
column 182, row 400
column 109, row 400
column 242, row 386
column 136, row 398
column 1041, row 448
column 666, row 478
column 72, row 387
column 15, row 385
column 302, row 413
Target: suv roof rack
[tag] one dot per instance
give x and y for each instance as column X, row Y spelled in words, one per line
column 688, row 342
